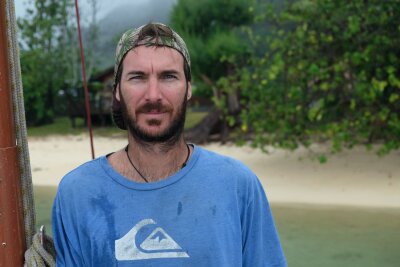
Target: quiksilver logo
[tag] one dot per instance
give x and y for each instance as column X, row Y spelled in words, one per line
column 157, row 245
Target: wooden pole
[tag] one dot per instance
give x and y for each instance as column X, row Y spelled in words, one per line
column 12, row 241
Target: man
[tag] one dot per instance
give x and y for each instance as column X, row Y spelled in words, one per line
column 160, row 201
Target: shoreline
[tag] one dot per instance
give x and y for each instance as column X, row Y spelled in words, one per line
column 349, row 178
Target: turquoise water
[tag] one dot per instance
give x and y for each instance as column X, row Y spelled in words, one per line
column 314, row 235
column 44, row 196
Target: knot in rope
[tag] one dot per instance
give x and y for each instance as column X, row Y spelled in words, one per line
column 42, row 252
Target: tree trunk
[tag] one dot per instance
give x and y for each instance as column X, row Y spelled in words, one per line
column 211, row 124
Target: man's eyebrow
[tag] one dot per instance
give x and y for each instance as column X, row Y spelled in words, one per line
column 135, row 72
column 171, row 71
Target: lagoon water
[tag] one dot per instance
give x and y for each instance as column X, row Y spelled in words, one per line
column 328, row 236
column 313, row 235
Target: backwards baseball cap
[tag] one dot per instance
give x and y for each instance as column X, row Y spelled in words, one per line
column 162, row 35
column 152, row 34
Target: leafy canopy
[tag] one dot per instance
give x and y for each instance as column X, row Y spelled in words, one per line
column 329, row 71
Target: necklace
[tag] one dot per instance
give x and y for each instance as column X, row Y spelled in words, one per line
column 141, row 175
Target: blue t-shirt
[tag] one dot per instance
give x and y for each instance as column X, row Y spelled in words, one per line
column 213, row 212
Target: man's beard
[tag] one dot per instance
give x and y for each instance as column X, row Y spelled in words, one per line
column 169, row 136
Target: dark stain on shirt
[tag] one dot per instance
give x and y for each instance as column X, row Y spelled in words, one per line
column 179, row 211
column 214, row 210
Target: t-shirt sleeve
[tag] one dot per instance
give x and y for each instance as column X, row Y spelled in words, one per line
column 67, row 255
column 261, row 246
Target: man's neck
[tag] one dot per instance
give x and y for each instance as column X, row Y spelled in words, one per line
column 150, row 162
column 156, row 147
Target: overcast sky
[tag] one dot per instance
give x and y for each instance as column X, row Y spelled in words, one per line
column 21, row 5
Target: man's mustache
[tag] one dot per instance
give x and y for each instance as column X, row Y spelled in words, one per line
column 153, row 106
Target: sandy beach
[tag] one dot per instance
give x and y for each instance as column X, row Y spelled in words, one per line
column 352, row 178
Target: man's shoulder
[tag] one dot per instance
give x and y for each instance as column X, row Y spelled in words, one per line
column 83, row 174
column 225, row 164
column 215, row 158
column 231, row 174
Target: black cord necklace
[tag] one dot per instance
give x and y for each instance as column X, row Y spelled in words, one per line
column 141, row 175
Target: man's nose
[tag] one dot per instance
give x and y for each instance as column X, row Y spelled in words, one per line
column 153, row 92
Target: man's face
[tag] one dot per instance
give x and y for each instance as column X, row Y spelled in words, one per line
column 153, row 93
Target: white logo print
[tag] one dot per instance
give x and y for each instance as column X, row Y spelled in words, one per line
column 157, row 245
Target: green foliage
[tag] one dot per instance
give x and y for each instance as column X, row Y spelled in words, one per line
column 329, row 71
column 203, row 17
column 212, row 32
column 43, row 49
column 50, row 61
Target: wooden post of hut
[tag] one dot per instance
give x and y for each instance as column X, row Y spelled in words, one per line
column 12, row 239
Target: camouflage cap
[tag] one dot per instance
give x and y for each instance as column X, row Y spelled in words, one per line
column 135, row 37
column 132, row 38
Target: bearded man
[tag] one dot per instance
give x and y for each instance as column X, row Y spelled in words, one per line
column 161, row 201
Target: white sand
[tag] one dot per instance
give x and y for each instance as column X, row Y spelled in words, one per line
column 353, row 177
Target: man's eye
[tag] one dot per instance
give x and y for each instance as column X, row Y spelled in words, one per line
column 169, row 76
column 135, row 77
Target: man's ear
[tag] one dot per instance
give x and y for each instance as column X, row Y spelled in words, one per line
column 117, row 92
column 189, row 90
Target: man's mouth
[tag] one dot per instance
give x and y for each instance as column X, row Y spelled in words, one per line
column 155, row 112
column 153, row 108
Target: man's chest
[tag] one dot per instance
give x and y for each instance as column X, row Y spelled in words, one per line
column 181, row 231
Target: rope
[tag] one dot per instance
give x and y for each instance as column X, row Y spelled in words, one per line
column 20, row 125
column 40, row 255
column 41, row 252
